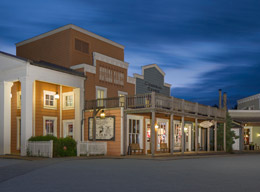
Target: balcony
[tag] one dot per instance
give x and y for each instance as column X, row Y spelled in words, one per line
column 157, row 102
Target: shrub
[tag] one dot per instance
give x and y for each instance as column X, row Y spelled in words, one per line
column 62, row 147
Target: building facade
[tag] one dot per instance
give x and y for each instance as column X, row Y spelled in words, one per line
column 61, row 81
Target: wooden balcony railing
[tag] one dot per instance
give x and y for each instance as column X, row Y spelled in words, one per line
column 154, row 100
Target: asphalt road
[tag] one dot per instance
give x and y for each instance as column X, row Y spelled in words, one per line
column 227, row 173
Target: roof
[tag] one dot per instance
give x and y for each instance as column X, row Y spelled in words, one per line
column 245, row 116
column 250, row 98
column 59, row 68
column 47, row 65
column 69, row 26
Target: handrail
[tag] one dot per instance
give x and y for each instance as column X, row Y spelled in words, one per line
column 144, row 101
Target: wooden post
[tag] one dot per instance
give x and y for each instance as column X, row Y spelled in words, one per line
column 225, row 135
column 172, row 135
column 208, row 133
column 125, row 134
column 153, row 134
column 196, row 135
column 182, row 135
column 94, row 124
column 216, row 136
column 242, row 138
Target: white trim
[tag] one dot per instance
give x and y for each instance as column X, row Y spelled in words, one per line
column 18, row 130
column 250, row 98
column 87, row 68
column 69, row 26
column 122, row 93
column 122, row 130
column 131, row 80
column 244, row 113
column 138, row 76
column 166, row 121
column 64, row 95
column 141, row 119
column 55, row 124
column 109, row 60
column 167, row 85
column 65, row 127
column 45, row 92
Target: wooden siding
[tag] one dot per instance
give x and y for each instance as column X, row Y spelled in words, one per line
column 113, row 147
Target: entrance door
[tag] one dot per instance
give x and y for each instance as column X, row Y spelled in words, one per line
column 203, row 139
column 148, row 135
column 188, row 136
column 68, row 128
column 162, row 133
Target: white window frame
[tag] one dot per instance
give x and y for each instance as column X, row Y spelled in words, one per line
column 65, row 126
column 18, row 125
column 55, row 125
column 141, row 135
column 100, row 103
column 64, row 95
column 54, row 101
column 19, row 100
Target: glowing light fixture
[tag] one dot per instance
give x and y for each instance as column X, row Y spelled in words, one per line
column 11, row 95
column 185, row 129
column 102, row 114
column 156, row 126
column 57, row 95
column 258, row 134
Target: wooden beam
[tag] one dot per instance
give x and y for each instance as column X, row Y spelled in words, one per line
column 153, row 134
column 171, row 134
column 216, row 136
column 182, row 135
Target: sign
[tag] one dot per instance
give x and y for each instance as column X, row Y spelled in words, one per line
column 206, row 124
column 105, row 128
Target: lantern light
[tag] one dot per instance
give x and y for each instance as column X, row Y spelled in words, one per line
column 102, row 114
column 57, row 95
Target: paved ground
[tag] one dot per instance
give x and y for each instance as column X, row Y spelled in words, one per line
column 217, row 173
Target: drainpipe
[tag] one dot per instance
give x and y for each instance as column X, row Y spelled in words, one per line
column 220, row 99
column 83, row 111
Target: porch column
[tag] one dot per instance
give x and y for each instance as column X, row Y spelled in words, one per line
column 208, row 145
column 242, row 138
column 153, row 134
column 26, row 112
column 172, row 135
column 5, row 117
column 196, row 135
column 79, row 107
column 182, row 135
column 225, row 135
column 216, row 136
column 125, row 133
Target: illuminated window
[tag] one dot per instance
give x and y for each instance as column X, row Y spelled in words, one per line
column 49, row 100
column 50, row 126
column 68, row 100
column 122, row 95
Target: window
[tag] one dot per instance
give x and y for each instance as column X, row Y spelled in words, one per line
column 19, row 98
column 50, row 126
column 134, row 131
column 68, row 100
column 101, row 93
column 122, row 95
column 81, row 46
column 49, row 99
column 68, row 127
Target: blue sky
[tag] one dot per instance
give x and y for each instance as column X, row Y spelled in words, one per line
column 202, row 45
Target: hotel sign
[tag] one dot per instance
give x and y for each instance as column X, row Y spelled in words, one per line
column 206, row 124
column 105, row 128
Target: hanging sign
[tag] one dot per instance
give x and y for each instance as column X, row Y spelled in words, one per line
column 206, row 124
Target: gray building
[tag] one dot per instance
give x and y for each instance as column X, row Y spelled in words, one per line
column 152, row 80
column 249, row 103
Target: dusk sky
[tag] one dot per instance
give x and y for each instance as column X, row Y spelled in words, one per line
column 202, row 45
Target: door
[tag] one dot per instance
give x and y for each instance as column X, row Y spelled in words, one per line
column 148, row 135
column 162, row 133
column 203, row 139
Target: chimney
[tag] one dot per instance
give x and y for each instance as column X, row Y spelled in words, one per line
column 220, row 99
column 225, row 101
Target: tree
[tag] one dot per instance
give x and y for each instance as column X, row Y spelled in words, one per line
column 230, row 135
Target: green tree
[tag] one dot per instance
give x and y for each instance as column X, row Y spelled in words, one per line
column 230, row 135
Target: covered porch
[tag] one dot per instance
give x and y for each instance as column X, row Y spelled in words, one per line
column 19, row 80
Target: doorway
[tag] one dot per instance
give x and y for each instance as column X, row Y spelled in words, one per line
column 68, row 128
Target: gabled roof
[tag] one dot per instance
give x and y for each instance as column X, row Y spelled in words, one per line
column 250, row 98
column 69, row 26
column 152, row 66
